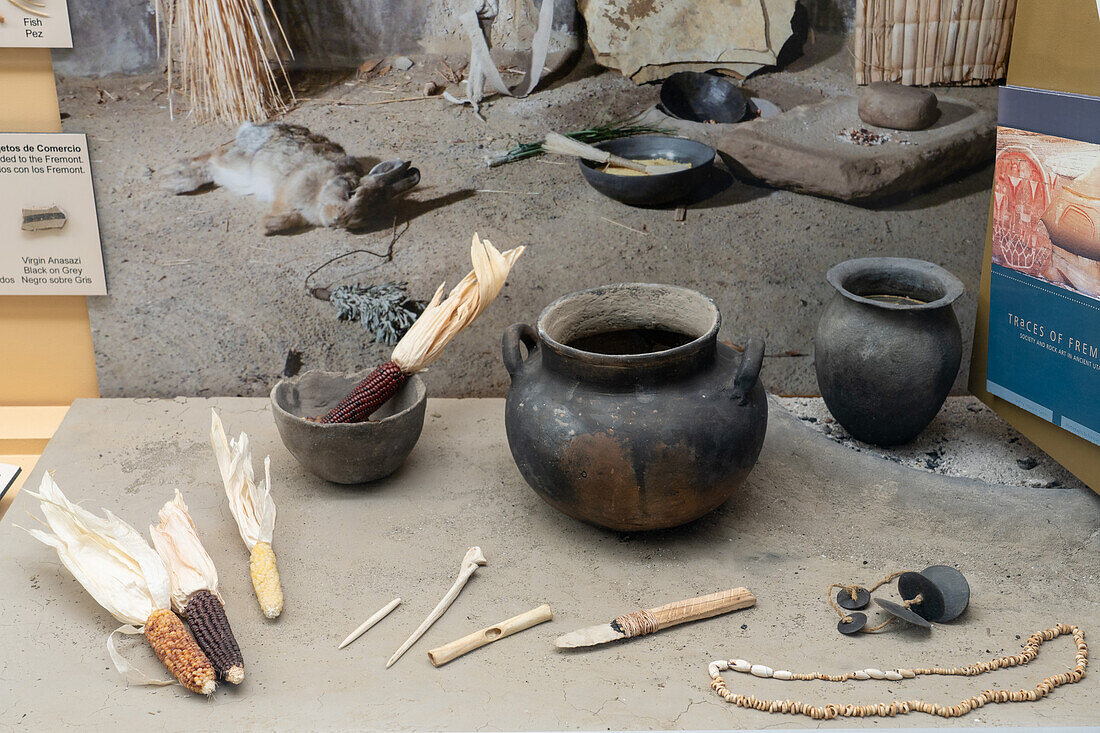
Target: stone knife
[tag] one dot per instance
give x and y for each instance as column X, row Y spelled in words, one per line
column 650, row 620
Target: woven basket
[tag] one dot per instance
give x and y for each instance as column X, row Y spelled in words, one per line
column 924, row 42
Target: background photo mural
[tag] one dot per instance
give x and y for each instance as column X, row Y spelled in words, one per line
column 1044, row 344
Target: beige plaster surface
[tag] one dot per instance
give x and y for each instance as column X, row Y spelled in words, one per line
column 812, row 512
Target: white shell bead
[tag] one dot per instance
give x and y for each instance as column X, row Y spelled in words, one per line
column 892, row 675
column 782, row 674
column 740, row 665
column 877, row 674
column 759, row 670
column 907, row 673
column 861, row 675
column 712, row 668
column 722, row 664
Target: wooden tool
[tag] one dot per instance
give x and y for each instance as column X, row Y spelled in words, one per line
column 378, row 616
column 650, row 620
column 441, row 655
column 562, row 145
column 470, row 563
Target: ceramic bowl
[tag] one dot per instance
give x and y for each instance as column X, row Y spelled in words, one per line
column 697, row 97
column 657, row 189
column 347, row 453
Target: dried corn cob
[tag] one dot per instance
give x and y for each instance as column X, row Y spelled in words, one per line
column 125, row 575
column 177, row 650
column 368, row 395
column 206, row 618
column 265, row 579
column 253, row 509
column 194, row 585
column 437, row 325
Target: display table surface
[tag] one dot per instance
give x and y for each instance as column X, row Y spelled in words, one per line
column 811, row 513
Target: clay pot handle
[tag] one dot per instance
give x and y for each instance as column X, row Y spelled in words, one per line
column 747, row 373
column 509, row 346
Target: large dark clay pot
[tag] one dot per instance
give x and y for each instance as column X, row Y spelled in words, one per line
column 627, row 412
column 885, row 366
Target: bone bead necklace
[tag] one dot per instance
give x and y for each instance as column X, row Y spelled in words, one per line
column 898, row 707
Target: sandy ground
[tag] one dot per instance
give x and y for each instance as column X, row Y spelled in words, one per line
column 201, row 303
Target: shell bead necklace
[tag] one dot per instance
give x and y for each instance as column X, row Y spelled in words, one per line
column 898, row 707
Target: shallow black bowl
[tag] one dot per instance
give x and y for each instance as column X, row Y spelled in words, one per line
column 660, row 188
column 697, row 97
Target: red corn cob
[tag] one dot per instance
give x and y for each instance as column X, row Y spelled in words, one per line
column 370, row 394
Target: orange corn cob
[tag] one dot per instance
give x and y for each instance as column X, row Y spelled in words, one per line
column 205, row 616
column 177, row 650
column 370, row 394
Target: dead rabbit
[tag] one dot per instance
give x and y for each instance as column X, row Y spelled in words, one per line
column 308, row 179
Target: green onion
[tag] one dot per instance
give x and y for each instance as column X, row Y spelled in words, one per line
column 590, row 136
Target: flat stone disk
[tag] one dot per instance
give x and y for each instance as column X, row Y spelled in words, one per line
column 903, row 613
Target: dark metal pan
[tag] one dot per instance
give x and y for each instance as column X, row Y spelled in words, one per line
column 657, row 189
column 697, row 97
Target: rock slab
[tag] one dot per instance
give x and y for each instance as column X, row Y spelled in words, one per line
column 897, row 107
column 806, row 150
column 648, row 40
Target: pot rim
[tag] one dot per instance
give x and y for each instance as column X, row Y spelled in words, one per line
column 696, row 345
column 839, row 274
column 700, row 155
column 414, row 381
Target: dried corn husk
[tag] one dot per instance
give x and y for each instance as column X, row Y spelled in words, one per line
column 251, row 504
column 443, row 319
column 107, row 556
column 190, row 568
column 113, row 562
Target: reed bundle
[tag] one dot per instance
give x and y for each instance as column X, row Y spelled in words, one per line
column 926, row 42
column 223, row 58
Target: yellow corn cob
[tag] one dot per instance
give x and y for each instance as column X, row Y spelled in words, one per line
column 177, row 650
column 265, row 579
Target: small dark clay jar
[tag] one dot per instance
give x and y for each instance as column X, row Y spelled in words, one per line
column 888, row 346
column 627, row 413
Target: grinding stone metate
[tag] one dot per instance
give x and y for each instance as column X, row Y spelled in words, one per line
column 802, row 149
column 813, row 511
column 347, row 453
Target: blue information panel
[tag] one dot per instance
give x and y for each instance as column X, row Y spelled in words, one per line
column 1044, row 351
column 1044, row 308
